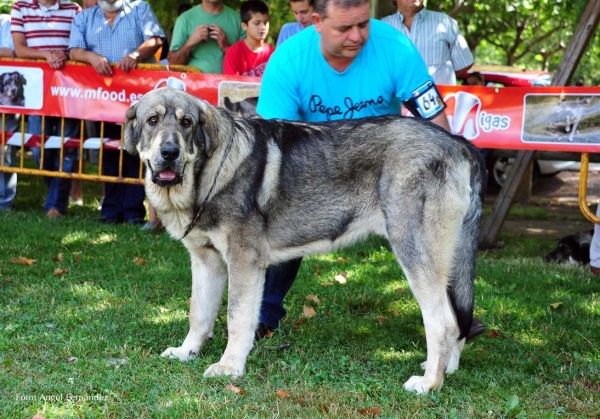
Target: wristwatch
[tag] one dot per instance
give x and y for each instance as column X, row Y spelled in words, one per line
column 135, row 55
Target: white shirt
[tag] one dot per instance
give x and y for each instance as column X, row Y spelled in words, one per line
column 439, row 41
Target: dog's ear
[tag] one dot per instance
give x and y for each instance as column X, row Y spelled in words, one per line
column 22, row 79
column 133, row 130
column 208, row 128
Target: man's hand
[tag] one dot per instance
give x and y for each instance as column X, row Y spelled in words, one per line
column 219, row 35
column 56, row 59
column 100, row 64
column 200, row 34
column 129, row 62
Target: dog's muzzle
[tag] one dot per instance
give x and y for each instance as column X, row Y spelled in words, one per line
column 166, row 174
column 167, row 177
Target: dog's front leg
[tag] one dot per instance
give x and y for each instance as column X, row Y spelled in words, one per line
column 246, row 283
column 209, row 276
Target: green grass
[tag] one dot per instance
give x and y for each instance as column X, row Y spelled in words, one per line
column 86, row 343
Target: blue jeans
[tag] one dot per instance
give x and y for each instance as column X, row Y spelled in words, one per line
column 121, row 201
column 278, row 281
column 58, row 188
column 8, row 181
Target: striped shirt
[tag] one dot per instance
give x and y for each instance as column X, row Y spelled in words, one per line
column 439, row 41
column 45, row 28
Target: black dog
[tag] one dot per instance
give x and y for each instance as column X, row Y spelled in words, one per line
column 11, row 89
column 573, row 249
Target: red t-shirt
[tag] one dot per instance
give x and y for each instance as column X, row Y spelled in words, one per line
column 239, row 60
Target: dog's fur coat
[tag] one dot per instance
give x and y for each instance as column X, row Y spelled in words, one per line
column 288, row 189
column 11, row 89
column 573, row 249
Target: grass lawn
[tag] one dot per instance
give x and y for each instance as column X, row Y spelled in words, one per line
column 82, row 328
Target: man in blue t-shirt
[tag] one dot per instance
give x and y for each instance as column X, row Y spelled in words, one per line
column 345, row 66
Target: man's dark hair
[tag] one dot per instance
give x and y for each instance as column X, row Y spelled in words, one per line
column 183, row 8
column 477, row 76
column 310, row 2
column 322, row 5
column 248, row 8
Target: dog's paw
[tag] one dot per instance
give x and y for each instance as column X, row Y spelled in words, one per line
column 220, row 369
column 181, row 353
column 451, row 368
column 419, row 385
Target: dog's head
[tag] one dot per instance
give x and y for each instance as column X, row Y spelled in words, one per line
column 170, row 129
column 11, row 84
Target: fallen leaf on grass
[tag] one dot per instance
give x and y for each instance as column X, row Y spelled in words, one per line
column 234, row 389
column 300, row 321
column 7, row 281
column 395, row 313
column 139, row 261
column 370, row 411
column 58, row 258
column 38, row 417
column 72, row 360
column 317, row 273
column 343, row 260
column 283, row 394
column 495, row 334
column 77, row 260
column 400, row 290
column 380, row 319
column 327, row 284
column 60, row 271
column 341, row 278
column 313, row 298
column 23, row 261
column 308, row 312
column 556, row 306
column 77, row 253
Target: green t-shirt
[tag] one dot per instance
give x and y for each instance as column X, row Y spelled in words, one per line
column 207, row 56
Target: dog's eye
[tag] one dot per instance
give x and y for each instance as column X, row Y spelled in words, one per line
column 186, row 122
column 153, row 120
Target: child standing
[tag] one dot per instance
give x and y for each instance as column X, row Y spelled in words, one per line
column 249, row 56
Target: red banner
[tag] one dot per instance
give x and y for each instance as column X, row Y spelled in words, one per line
column 539, row 118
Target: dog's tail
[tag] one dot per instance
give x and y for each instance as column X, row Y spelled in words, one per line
column 462, row 289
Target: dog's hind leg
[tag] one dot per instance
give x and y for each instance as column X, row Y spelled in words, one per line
column 424, row 225
column 246, row 284
column 209, row 276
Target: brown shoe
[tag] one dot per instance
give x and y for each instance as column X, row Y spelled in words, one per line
column 594, row 270
column 53, row 214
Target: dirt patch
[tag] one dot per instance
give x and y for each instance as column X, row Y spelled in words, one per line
column 558, row 194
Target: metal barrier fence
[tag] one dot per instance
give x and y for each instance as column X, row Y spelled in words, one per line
column 22, row 137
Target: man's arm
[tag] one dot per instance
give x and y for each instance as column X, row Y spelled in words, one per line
column 56, row 58
column 182, row 55
column 442, row 121
column 100, row 63
column 142, row 53
column 462, row 71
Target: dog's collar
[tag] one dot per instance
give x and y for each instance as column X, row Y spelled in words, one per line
column 201, row 208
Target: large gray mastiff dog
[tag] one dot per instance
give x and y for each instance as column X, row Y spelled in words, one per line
column 243, row 194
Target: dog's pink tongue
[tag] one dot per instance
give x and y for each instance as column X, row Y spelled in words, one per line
column 167, row 175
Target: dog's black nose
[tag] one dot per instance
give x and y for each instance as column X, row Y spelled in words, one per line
column 169, row 152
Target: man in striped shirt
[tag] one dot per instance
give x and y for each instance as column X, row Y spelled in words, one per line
column 41, row 30
column 437, row 37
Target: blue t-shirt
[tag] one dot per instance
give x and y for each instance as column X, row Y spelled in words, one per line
column 287, row 31
column 299, row 84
